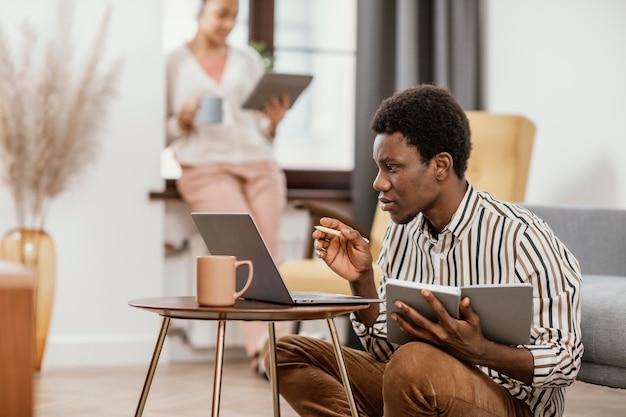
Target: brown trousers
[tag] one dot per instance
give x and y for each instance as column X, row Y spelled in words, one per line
column 419, row 380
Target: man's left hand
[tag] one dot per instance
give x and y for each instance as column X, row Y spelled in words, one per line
column 461, row 338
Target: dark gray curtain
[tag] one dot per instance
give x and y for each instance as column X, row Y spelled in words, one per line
column 401, row 43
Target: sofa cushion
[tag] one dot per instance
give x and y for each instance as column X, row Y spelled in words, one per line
column 604, row 319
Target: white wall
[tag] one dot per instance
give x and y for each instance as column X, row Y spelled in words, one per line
column 108, row 234
column 562, row 63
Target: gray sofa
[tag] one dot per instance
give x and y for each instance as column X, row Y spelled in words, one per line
column 597, row 237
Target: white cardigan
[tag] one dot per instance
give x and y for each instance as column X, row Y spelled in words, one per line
column 241, row 137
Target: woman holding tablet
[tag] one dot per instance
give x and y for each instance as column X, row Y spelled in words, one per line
column 225, row 151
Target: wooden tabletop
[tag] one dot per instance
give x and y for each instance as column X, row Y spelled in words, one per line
column 186, row 307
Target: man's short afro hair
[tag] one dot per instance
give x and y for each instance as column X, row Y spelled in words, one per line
column 430, row 119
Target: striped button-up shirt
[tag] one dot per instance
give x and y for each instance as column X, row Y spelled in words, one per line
column 489, row 241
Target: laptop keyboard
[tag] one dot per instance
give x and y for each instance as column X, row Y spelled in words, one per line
column 312, row 295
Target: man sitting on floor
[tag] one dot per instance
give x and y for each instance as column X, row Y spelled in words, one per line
column 444, row 232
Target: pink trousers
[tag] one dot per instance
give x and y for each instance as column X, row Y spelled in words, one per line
column 256, row 188
column 419, row 380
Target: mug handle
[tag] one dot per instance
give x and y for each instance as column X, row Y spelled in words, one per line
column 249, row 281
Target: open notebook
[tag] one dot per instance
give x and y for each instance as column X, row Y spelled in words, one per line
column 505, row 310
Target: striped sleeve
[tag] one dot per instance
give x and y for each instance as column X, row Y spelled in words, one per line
column 374, row 338
column 555, row 334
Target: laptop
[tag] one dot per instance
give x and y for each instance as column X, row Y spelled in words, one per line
column 237, row 234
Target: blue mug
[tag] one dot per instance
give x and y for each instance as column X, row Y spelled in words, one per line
column 210, row 110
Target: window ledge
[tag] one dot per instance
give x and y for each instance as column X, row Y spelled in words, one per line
column 301, row 184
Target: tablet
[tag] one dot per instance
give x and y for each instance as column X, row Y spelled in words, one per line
column 275, row 84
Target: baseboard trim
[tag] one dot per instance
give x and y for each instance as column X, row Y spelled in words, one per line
column 101, row 350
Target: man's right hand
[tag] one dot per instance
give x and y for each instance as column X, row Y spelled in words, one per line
column 347, row 255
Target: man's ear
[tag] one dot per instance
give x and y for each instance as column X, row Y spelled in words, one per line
column 443, row 165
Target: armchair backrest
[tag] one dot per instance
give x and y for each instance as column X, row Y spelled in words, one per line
column 377, row 232
column 501, row 151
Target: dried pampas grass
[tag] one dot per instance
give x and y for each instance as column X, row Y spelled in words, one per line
column 50, row 114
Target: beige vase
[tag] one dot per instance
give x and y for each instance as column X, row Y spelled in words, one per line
column 35, row 249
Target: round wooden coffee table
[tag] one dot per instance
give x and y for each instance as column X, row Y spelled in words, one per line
column 186, row 308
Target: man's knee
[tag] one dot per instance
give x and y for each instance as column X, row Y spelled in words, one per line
column 419, row 363
column 416, row 355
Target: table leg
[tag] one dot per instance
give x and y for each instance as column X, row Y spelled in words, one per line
column 273, row 371
column 152, row 368
column 219, row 366
column 342, row 366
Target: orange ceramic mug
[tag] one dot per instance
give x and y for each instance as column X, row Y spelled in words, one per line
column 216, row 280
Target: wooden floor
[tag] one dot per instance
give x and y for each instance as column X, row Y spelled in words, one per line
column 185, row 390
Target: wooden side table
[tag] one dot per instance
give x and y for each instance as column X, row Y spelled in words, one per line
column 17, row 340
column 244, row 310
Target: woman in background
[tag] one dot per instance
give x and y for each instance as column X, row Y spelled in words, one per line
column 228, row 166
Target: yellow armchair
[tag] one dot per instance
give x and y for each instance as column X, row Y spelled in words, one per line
column 502, row 146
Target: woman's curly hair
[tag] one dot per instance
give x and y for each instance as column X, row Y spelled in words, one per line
column 430, row 119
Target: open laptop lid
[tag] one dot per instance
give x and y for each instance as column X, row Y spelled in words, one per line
column 236, row 234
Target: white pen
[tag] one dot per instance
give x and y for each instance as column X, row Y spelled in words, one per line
column 328, row 230
column 334, row 232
